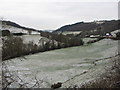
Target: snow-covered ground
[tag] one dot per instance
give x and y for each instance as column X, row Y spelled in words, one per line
column 17, row 30
column 114, row 32
column 29, row 38
column 70, row 32
column 85, row 40
column 70, row 66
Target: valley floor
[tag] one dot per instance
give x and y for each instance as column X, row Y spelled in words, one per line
column 70, row 66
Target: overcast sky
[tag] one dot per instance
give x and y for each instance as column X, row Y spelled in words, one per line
column 52, row 14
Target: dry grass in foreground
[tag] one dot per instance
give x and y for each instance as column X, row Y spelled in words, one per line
column 111, row 79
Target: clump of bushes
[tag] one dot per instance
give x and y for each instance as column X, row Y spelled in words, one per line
column 118, row 34
column 6, row 33
column 14, row 47
column 67, row 40
column 57, row 85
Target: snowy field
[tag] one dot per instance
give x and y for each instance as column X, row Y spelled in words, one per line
column 34, row 38
column 16, row 30
column 71, row 66
column 68, row 32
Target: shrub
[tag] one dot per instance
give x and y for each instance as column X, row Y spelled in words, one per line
column 14, row 47
column 5, row 33
column 66, row 39
column 118, row 34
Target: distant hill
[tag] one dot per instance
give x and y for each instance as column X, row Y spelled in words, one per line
column 85, row 28
column 96, row 27
column 16, row 28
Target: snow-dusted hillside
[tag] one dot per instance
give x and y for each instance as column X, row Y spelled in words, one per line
column 14, row 29
column 114, row 32
column 71, row 66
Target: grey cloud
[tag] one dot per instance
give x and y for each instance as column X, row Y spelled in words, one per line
column 51, row 15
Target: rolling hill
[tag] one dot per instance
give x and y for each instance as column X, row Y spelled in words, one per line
column 88, row 28
column 16, row 28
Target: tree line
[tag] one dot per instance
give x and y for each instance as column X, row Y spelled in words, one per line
column 13, row 46
column 66, row 40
